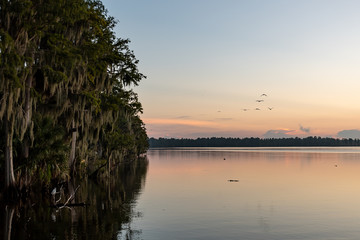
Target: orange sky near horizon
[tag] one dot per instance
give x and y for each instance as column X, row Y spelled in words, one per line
column 208, row 60
column 291, row 122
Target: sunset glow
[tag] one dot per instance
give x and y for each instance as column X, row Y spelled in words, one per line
column 152, row 121
column 208, row 64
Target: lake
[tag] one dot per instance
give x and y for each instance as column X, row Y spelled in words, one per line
column 210, row 193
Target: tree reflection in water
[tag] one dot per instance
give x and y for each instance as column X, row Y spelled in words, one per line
column 107, row 215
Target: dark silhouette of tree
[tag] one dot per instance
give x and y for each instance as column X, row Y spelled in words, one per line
column 252, row 142
column 61, row 60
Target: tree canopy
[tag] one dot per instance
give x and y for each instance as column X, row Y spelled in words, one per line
column 65, row 90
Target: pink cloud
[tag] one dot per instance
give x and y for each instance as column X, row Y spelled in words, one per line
column 280, row 133
column 187, row 122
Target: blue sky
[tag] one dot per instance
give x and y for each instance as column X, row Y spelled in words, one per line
column 208, row 60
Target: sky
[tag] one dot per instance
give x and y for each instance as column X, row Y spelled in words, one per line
column 209, row 62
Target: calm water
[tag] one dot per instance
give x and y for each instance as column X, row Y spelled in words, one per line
column 183, row 193
column 281, row 193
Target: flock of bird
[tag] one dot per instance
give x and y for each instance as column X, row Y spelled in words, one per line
column 259, row 101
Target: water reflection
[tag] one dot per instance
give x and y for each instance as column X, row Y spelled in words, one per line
column 298, row 193
column 108, row 214
column 280, row 194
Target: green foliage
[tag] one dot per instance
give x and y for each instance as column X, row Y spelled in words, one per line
column 62, row 71
column 48, row 153
column 126, row 136
column 53, row 75
column 141, row 137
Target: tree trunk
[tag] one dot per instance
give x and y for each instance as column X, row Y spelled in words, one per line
column 9, row 213
column 109, row 165
column 9, row 167
column 28, row 113
column 73, row 147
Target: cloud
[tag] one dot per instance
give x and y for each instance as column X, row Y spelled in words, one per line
column 303, row 129
column 279, row 133
column 187, row 128
column 352, row 133
column 224, row 119
column 179, row 121
column 226, row 133
column 177, row 128
column 181, row 117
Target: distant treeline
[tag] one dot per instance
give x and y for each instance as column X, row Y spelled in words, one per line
column 252, row 142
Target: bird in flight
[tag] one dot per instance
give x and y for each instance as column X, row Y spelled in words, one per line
column 257, row 109
column 270, row 108
column 260, row 100
column 263, row 95
column 245, row 109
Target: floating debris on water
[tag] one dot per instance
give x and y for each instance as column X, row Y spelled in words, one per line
column 233, row 180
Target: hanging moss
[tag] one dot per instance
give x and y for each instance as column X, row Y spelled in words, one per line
column 66, row 53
